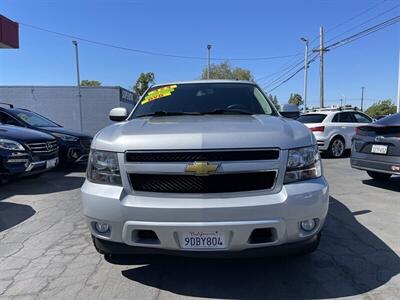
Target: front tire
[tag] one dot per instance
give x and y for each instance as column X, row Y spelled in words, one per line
column 337, row 147
column 379, row 176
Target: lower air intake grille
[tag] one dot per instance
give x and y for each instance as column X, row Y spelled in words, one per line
column 218, row 183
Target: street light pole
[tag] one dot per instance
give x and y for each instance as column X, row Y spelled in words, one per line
column 362, row 98
column 305, row 73
column 398, row 88
column 75, row 43
column 209, row 61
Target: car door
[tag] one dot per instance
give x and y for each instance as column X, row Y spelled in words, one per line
column 346, row 126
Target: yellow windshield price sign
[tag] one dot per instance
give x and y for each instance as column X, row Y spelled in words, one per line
column 159, row 93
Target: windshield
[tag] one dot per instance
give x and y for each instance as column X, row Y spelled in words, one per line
column 203, row 98
column 311, row 118
column 34, row 119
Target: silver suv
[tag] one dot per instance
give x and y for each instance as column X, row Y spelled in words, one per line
column 206, row 168
column 334, row 129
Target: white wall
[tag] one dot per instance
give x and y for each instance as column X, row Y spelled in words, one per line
column 61, row 104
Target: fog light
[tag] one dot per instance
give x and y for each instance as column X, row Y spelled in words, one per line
column 101, row 227
column 308, row 225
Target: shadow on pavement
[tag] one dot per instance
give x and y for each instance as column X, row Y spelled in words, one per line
column 49, row 182
column 392, row 184
column 350, row 260
column 12, row 214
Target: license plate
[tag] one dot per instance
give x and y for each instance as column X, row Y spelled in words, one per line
column 379, row 149
column 202, row 240
column 51, row 163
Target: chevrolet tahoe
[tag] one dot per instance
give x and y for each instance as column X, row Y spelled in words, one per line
column 204, row 168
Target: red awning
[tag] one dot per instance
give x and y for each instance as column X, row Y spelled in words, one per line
column 9, row 37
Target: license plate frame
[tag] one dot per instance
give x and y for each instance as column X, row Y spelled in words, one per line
column 379, row 149
column 203, row 240
column 51, row 163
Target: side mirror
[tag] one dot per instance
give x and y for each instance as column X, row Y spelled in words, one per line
column 118, row 114
column 290, row 111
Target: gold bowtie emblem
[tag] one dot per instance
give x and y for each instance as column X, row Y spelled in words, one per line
column 201, row 167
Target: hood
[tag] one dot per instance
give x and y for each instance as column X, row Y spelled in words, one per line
column 23, row 135
column 204, row 132
column 65, row 131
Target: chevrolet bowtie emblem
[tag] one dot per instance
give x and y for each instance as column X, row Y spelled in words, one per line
column 201, row 167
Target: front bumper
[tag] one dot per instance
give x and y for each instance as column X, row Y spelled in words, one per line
column 236, row 214
column 25, row 164
column 375, row 163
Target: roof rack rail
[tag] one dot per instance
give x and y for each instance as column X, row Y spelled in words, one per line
column 332, row 108
column 9, row 104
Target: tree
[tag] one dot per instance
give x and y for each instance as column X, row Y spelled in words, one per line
column 274, row 101
column 143, row 82
column 90, row 83
column 380, row 108
column 224, row 70
column 296, row 99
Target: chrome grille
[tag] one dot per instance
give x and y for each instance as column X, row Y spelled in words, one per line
column 43, row 147
column 217, row 183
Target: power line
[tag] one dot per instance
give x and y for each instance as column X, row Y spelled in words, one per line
column 364, row 33
column 292, row 75
column 154, row 53
column 363, row 23
column 294, row 64
column 342, row 42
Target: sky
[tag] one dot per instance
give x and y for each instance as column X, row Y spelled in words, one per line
column 235, row 28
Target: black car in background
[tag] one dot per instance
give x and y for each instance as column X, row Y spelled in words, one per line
column 73, row 146
column 376, row 148
column 26, row 152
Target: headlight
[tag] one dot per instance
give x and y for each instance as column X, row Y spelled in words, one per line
column 303, row 164
column 65, row 137
column 11, row 145
column 103, row 168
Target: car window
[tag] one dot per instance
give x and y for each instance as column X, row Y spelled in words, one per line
column 203, row 98
column 343, row 117
column 361, row 118
column 8, row 120
column 311, row 118
column 34, row 119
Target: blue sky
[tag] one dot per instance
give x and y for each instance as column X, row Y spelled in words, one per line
column 235, row 28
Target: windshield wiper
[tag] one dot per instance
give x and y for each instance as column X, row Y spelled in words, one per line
column 221, row 111
column 162, row 113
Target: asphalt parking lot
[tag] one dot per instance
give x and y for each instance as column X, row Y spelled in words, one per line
column 46, row 251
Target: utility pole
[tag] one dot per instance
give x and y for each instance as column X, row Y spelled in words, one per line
column 321, row 67
column 362, row 98
column 321, row 51
column 209, row 61
column 305, row 73
column 75, row 43
column 398, row 88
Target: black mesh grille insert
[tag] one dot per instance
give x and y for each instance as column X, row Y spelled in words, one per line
column 208, row 155
column 218, row 183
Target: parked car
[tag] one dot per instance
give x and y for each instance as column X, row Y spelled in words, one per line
column 26, row 152
column 205, row 168
column 73, row 146
column 376, row 148
column 334, row 129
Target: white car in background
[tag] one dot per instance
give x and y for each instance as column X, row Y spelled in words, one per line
column 334, row 129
